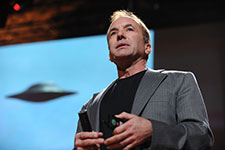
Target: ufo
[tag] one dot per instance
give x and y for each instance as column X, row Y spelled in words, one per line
column 42, row 92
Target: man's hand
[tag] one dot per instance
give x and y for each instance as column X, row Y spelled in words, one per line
column 88, row 140
column 132, row 133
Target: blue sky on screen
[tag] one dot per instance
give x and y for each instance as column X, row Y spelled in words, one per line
column 78, row 65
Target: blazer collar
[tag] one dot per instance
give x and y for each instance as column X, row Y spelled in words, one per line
column 148, row 85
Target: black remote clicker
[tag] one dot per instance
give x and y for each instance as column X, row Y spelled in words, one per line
column 85, row 123
column 115, row 122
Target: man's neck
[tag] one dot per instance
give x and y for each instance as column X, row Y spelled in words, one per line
column 132, row 69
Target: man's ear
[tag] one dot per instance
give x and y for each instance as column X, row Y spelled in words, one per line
column 110, row 58
column 148, row 48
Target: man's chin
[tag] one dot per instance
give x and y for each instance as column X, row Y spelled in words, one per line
column 122, row 58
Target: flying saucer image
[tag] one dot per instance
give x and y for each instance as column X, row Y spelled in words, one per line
column 42, row 92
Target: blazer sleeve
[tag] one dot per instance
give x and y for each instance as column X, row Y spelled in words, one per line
column 192, row 130
column 79, row 126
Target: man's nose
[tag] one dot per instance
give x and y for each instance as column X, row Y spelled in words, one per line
column 120, row 35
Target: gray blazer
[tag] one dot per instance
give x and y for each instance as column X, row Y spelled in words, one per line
column 172, row 101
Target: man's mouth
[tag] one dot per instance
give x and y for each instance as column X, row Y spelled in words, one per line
column 122, row 45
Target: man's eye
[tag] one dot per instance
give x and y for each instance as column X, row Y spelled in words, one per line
column 112, row 33
column 130, row 29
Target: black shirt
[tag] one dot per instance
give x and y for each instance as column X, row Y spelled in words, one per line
column 119, row 98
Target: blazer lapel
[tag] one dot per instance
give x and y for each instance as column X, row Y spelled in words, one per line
column 149, row 83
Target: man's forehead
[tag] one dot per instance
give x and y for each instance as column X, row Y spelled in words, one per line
column 123, row 21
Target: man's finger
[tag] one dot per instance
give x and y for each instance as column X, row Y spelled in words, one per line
column 95, row 147
column 90, row 135
column 125, row 115
column 121, row 128
column 89, row 142
column 116, row 138
column 122, row 143
column 130, row 146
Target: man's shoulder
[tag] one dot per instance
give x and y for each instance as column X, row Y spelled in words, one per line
column 175, row 75
column 172, row 72
column 95, row 98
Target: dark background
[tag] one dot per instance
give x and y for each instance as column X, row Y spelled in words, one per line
column 189, row 36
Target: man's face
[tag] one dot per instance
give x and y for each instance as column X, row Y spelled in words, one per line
column 125, row 40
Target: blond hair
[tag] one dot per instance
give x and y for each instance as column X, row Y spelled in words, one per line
column 123, row 13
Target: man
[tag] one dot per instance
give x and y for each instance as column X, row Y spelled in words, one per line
column 163, row 109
